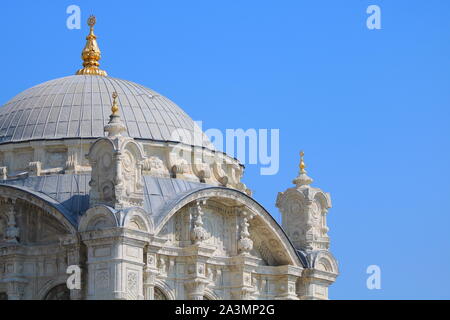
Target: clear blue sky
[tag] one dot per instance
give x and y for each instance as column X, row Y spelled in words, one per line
column 370, row 108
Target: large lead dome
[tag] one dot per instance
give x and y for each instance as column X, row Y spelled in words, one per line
column 79, row 106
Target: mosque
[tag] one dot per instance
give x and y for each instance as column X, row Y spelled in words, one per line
column 92, row 175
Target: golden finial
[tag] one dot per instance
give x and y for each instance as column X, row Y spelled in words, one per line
column 91, row 22
column 115, row 126
column 91, row 53
column 115, row 107
column 302, row 162
column 302, row 179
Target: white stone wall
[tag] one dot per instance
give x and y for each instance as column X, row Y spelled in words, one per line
column 215, row 243
column 127, row 257
column 161, row 160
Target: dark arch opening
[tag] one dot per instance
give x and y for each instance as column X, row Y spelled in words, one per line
column 159, row 294
column 60, row 292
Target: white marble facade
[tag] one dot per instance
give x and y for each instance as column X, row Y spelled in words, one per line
column 145, row 215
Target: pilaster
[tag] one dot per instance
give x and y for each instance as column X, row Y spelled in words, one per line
column 115, row 264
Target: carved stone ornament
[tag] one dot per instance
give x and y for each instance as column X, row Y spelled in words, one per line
column 155, row 165
column 198, row 233
column 116, row 161
column 245, row 244
column 12, row 231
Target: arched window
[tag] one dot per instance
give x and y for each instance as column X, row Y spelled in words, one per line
column 159, row 295
column 60, row 292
